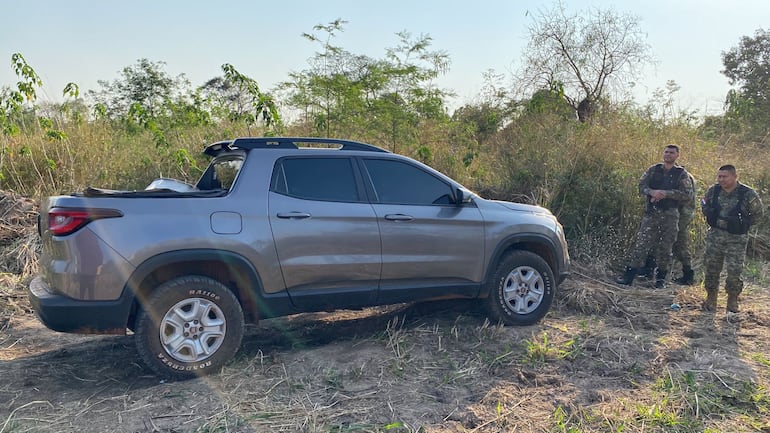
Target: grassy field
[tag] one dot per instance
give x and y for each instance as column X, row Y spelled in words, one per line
column 606, row 359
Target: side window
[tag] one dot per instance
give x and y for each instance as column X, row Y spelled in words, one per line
column 224, row 173
column 326, row 179
column 396, row 182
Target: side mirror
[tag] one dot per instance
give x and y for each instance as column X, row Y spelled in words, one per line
column 462, row 196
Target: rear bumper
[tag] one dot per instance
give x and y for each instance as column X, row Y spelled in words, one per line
column 64, row 314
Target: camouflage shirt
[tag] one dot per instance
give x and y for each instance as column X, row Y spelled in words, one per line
column 751, row 203
column 688, row 206
column 682, row 193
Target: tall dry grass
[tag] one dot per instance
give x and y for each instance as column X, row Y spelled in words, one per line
column 587, row 174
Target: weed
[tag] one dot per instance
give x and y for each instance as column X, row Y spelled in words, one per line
column 761, row 358
column 659, row 413
column 396, row 341
column 539, row 351
column 391, row 427
column 561, row 419
column 333, row 378
column 755, row 272
column 571, row 349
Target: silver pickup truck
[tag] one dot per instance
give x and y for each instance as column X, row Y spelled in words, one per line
column 278, row 226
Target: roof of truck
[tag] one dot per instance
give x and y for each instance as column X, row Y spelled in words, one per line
column 249, row 143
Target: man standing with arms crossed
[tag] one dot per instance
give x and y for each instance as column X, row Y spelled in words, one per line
column 730, row 208
column 681, row 248
column 664, row 185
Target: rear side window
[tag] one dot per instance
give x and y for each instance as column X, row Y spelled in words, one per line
column 221, row 173
column 225, row 172
column 326, row 179
column 396, row 182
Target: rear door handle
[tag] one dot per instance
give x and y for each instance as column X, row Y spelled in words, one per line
column 398, row 217
column 293, row 215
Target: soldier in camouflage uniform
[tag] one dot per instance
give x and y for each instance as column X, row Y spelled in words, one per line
column 681, row 248
column 664, row 185
column 730, row 208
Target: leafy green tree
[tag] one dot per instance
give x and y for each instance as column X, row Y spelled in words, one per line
column 588, row 55
column 328, row 92
column 12, row 100
column 748, row 67
column 262, row 105
column 147, row 99
column 142, row 90
column 408, row 96
column 224, row 99
column 354, row 95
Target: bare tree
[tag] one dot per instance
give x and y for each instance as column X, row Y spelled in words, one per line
column 585, row 55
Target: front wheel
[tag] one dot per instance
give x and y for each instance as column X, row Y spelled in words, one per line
column 521, row 289
column 189, row 326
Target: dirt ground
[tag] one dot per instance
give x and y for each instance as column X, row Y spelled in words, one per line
column 605, row 359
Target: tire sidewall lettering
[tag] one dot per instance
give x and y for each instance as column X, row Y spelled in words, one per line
column 164, row 297
column 204, row 294
column 499, row 308
column 181, row 367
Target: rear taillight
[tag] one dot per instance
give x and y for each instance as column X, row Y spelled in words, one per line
column 64, row 221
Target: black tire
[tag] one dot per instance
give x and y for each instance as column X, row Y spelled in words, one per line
column 521, row 289
column 167, row 337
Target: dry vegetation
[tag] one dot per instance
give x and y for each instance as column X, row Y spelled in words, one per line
column 605, row 360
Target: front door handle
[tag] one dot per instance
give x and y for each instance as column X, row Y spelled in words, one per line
column 293, row 215
column 398, row 217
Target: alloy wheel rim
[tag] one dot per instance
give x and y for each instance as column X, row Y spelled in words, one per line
column 192, row 330
column 523, row 290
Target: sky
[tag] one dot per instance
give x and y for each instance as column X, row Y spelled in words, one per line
column 83, row 41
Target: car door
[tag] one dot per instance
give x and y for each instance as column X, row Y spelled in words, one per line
column 326, row 234
column 428, row 242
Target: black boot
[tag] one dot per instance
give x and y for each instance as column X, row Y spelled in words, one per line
column 687, row 278
column 660, row 279
column 628, row 277
column 648, row 271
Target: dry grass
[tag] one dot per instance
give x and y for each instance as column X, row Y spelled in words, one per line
column 607, row 358
column 19, row 248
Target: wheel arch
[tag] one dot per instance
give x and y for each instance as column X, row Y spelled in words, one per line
column 228, row 268
column 532, row 242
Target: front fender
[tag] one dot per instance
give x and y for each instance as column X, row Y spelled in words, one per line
column 537, row 243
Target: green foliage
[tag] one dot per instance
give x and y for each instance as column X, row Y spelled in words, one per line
column 686, row 400
column 146, row 99
column 147, row 124
column 29, row 78
column 550, row 101
column 144, row 85
column 72, row 90
column 561, row 419
column 389, row 98
column 12, row 100
column 590, row 195
column 541, row 350
column 263, row 107
column 748, row 66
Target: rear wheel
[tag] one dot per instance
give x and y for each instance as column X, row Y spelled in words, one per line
column 521, row 289
column 189, row 326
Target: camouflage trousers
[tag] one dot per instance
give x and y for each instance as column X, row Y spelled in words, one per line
column 723, row 248
column 655, row 237
column 681, row 248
